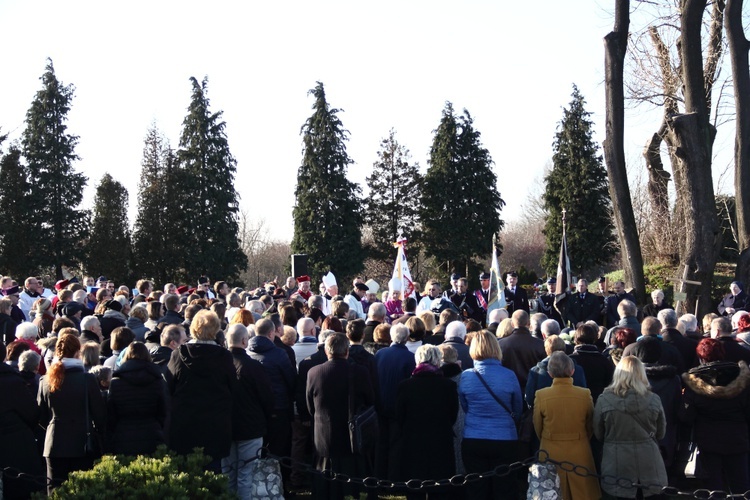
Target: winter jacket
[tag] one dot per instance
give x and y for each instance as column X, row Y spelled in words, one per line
column 202, row 388
column 394, row 364
column 278, row 368
column 539, row 379
column 717, row 400
column 253, row 399
column 139, row 329
column 630, row 428
column 485, row 417
column 137, row 408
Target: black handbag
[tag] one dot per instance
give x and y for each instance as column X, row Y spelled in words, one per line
column 93, row 447
column 363, row 425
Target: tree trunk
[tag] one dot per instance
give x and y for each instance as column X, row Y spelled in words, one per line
column 690, row 136
column 658, row 180
column 738, row 52
column 616, row 44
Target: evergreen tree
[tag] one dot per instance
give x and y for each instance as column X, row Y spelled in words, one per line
column 326, row 213
column 204, row 187
column 394, row 198
column 578, row 184
column 109, row 247
column 155, row 240
column 15, row 245
column 460, row 202
column 57, row 228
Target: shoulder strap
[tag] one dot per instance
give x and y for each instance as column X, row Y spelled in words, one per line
column 484, row 383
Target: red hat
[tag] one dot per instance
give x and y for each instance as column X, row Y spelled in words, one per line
column 302, row 278
column 191, row 291
column 182, row 289
column 61, row 284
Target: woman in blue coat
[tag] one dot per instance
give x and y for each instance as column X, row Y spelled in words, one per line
column 490, row 438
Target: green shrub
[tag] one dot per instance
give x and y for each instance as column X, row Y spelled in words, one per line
column 160, row 476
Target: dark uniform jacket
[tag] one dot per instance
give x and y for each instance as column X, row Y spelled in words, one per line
column 516, row 300
column 583, row 309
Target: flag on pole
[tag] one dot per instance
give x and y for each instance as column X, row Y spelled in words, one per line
column 563, row 271
column 497, row 288
column 401, row 270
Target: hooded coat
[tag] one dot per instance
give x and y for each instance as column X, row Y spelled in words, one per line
column 630, row 427
column 202, row 387
column 719, row 408
column 137, row 408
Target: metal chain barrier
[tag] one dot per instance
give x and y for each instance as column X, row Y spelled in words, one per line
column 457, row 480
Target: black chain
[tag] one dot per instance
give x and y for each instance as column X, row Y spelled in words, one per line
column 458, row 480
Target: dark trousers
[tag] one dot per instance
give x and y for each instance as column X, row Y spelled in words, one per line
column 58, row 469
column 723, row 472
column 279, row 440
column 483, row 455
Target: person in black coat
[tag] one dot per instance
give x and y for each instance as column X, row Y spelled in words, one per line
column 672, row 336
column 394, row 364
column 202, row 388
column 63, row 394
column 466, row 302
column 582, row 306
column 330, row 386
column 717, row 401
column 721, row 329
column 521, row 351
column 455, row 335
column 137, row 404
column 281, row 372
column 251, row 411
column 426, row 409
column 515, row 296
column 19, row 416
column 7, row 325
column 598, row 368
column 736, row 300
column 612, row 301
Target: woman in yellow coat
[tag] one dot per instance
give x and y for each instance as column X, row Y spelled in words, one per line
column 563, row 420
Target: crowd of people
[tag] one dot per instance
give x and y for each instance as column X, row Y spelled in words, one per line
column 93, row 368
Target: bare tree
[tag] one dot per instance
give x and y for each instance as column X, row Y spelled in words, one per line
column 738, row 49
column 616, row 44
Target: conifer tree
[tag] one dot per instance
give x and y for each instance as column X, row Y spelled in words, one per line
column 578, row 184
column 155, row 246
column 57, row 228
column 460, row 202
column 206, row 199
column 109, row 246
column 15, row 245
column 394, row 198
column 327, row 216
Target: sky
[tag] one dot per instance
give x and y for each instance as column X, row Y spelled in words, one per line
column 387, row 64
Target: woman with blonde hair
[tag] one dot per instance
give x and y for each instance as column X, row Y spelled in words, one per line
column 629, row 420
column 505, row 328
column 428, row 318
column 67, row 395
column 491, row 398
